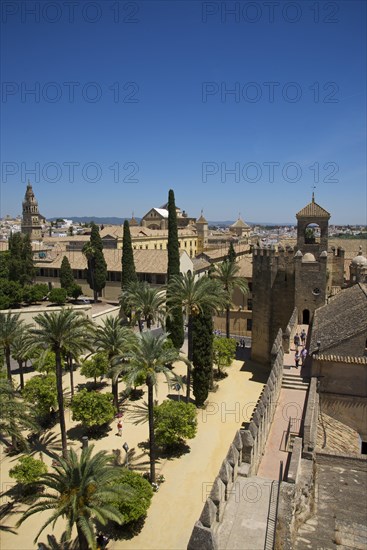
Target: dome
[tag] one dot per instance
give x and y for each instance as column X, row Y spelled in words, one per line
column 359, row 260
column 308, row 257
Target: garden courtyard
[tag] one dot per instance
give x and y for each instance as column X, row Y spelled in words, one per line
column 188, row 478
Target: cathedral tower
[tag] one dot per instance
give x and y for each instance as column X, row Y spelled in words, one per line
column 31, row 224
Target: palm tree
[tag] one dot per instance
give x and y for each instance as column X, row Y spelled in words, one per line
column 9, row 327
column 114, row 340
column 147, row 359
column 195, row 295
column 145, row 301
column 227, row 274
column 59, row 331
column 79, row 490
column 20, row 350
column 74, row 348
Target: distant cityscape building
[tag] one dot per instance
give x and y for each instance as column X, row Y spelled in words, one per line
column 31, row 218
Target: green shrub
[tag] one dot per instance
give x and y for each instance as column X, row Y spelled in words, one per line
column 98, row 365
column 28, row 470
column 224, row 351
column 139, row 495
column 34, row 293
column 41, row 391
column 174, row 421
column 92, row 408
column 58, row 296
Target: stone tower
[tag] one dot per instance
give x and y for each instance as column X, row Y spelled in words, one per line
column 285, row 279
column 31, row 218
column 311, row 260
column 202, row 232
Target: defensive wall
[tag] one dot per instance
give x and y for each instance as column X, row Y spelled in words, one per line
column 243, row 457
column 27, row 314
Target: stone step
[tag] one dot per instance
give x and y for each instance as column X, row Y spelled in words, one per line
column 294, row 387
column 295, row 382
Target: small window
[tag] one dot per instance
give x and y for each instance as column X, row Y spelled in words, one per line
column 249, row 324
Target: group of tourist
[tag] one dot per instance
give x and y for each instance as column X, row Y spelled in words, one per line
column 299, row 341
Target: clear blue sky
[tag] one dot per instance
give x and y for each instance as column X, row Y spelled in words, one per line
column 164, row 119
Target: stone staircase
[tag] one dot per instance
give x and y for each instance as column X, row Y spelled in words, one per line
column 295, row 382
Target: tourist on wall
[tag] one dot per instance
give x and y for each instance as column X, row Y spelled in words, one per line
column 303, row 337
column 296, row 340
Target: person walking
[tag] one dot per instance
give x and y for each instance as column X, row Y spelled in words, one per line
column 303, row 356
column 119, row 428
column 296, row 341
column 303, row 337
column 296, row 359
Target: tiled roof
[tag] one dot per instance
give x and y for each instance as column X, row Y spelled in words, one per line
column 245, row 265
column 313, row 210
column 342, row 318
column 113, row 230
column 240, row 223
column 341, row 358
column 200, row 263
column 146, row 261
column 162, row 212
column 217, row 253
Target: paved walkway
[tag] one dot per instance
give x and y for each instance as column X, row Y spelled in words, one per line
column 290, row 404
column 250, row 511
column 246, row 515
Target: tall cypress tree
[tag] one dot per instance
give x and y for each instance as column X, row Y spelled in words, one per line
column 231, row 257
column 96, row 264
column 66, row 275
column 202, row 355
column 174, row 323
column 128, row 273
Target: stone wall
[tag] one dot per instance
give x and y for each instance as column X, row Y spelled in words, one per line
column 243, row 456
column 100, row 317
column 27, row 314
column 341, row 375
column 272, row 296
column 290, row 331
column 310, row 422
column 296, row 504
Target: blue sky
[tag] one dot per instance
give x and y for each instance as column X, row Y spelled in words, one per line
column 129, row 104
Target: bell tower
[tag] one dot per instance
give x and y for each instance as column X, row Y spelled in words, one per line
column 30, row 218
column 312, row 228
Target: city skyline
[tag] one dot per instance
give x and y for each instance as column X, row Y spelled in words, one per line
column 235, row 108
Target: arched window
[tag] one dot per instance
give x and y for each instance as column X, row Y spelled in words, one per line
column 312, row 234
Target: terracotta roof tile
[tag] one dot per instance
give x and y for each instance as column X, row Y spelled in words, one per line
column 313, row 209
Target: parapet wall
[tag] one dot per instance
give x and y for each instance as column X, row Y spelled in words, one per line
column 243, row 457
column 290, row 331
column 310, row 423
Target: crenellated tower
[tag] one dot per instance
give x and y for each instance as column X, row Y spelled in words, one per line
column 287, row 278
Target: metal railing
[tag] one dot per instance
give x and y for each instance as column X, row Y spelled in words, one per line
column 271, row 525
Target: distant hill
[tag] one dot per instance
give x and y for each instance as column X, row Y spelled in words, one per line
column 119, row 221
column 99, row 221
